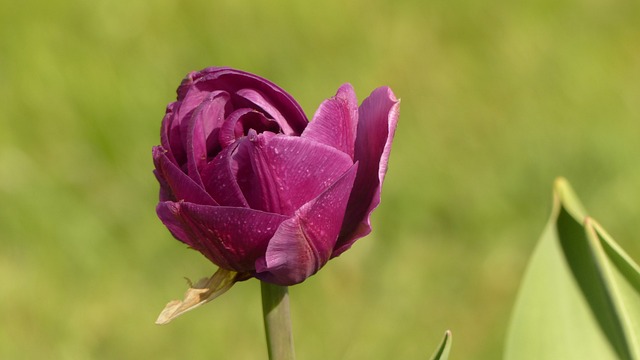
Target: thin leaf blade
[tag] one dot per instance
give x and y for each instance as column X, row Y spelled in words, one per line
column 443, row 350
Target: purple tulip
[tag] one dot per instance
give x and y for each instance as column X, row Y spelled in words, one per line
column 254, row 186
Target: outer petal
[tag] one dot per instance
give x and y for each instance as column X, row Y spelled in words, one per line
column 166, row 194
column 232, row 238
column 336, row 120
column 378, row 117
column 304, row 243
column 170, row 137
column 175, row 182
column 281, row 173
column 232, row 81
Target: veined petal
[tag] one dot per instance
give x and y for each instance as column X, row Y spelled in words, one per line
column 232, row 238
column 304, row 243
column 281, row 173
column 303, row 169
column 377, row 121
column 181, row 186
column 336, row 120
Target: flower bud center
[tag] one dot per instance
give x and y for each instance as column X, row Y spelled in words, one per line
column 246, row 122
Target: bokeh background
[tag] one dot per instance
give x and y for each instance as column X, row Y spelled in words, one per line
column 498, row 99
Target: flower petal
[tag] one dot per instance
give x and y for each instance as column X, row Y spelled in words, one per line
column 304, row 243
column 377, row 121
column 280, row 173
column 256, row 99
column 206, row 119
column 232, row 238
column 336, row 120
column 166, row 194
column 232, row 81
column 241, row 121
column 254, row 173
column 219, row 178
column 170, row 137
column 175, row 184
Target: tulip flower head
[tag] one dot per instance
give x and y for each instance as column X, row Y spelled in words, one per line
column 259, row 190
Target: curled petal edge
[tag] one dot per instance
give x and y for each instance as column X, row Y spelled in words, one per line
column 380, row 110
column 335, row 123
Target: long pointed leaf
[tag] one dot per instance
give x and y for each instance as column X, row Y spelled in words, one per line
column 442, row 352
column 580, row 297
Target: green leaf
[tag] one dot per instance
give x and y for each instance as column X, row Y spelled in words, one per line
column 442, row 353
column 580, row 297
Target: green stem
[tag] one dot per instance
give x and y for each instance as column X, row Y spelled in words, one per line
column 277, row 322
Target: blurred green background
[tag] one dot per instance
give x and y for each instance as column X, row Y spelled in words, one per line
column 498, row 98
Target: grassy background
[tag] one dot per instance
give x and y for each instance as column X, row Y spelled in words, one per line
column 498, row 98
